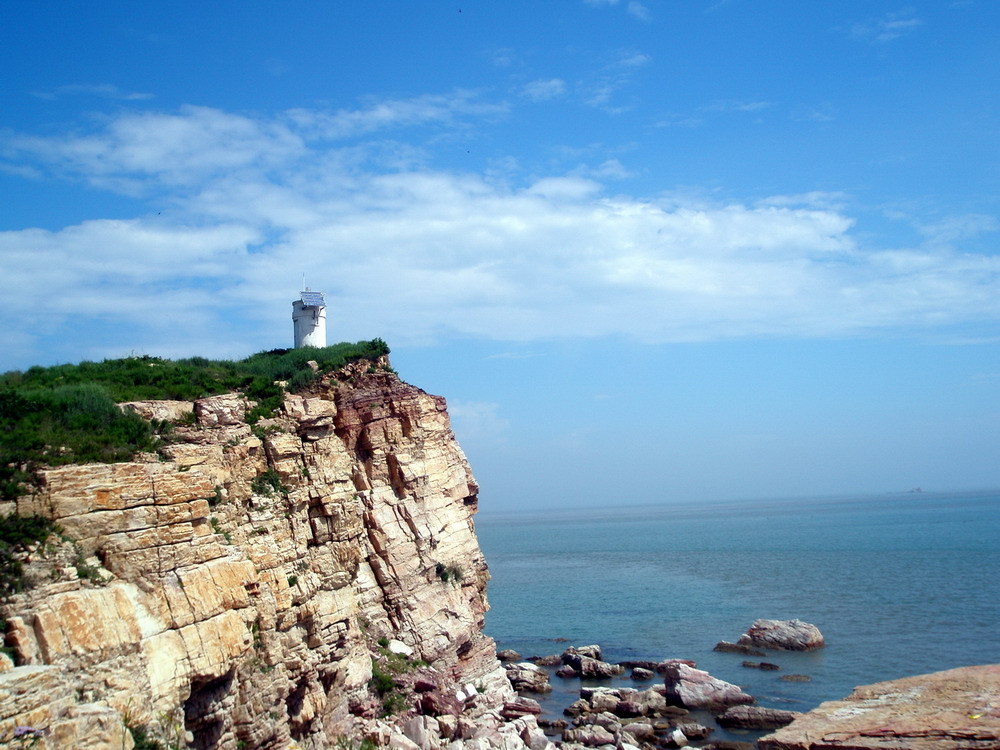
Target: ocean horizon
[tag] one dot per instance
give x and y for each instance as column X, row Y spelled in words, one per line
column 900, row 584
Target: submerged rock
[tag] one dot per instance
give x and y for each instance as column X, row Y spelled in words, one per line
column 736, row 648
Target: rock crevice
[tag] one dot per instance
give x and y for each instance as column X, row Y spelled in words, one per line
column 245, row 577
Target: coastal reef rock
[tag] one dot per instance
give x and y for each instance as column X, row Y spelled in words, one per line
column 694, row 688
column 756, row 717
column 311, row 580
column 949, row 710
column 786, row 635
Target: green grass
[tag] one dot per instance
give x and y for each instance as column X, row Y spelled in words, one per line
column 67, row 414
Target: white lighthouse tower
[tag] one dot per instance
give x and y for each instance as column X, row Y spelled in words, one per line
column 309, row 319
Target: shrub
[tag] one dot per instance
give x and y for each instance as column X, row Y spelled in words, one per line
column 449, row 573
column 267, row 483
column 68, row 414
column 18, row 532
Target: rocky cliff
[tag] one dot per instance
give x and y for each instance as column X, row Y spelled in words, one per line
column 312, row 581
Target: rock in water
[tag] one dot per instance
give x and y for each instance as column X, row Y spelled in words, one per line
column 694, row 688
column 756, row 717
column 954, row 710
column 787, row 635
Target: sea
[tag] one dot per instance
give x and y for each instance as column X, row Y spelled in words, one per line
column 899, row 584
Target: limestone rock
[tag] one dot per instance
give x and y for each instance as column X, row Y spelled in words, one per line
column 525, row 676
column 696, row 689
column 959, row 708
column 756, row 717
column 243, row 583
column 787, row 635
column 738, row 648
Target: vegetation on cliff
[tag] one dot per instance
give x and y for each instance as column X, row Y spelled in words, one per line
column 67, row 413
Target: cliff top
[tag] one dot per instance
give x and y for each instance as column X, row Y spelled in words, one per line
column 67, row 413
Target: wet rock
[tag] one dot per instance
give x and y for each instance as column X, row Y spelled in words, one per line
column 695, row 688
column 641, row 673
column 786, row 635
column 639, row 664
column 508, row 654
column 736, row 648
column 552, row 660
column 756, row 717
column 567, row 672
column 695, row 731
column 764, row 665
column 554, row 724
column 795, row 678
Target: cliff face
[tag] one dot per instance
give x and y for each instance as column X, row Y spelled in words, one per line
column 233, row 591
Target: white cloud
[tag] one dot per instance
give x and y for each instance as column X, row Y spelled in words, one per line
column 640, row 11
column 887, row 28
column 477, row 421
column 543, row 89
column 419, row 254
column 103, row 90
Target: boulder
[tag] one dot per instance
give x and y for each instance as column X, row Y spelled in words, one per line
column 785, row 635
column 525, row 676
column 695, row 731
column 520, row 707
column 940, row 711
column 661, row 667
column 756, row 717
column 697, row 689
column 587, row 666
column 508, row 654
column 594, row 652
column 553, row 660
column 641, row 673
column 593, row 735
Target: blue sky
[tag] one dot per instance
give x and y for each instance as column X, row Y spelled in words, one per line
column 649, row 251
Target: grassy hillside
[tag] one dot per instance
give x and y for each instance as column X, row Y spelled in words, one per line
column 67, row 413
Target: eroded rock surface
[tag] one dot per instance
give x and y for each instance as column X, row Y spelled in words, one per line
column 959, row 708
column 234, row 590
column 695, row 688
column 786, row 635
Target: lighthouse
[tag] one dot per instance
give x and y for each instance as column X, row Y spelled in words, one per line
column 309, row 319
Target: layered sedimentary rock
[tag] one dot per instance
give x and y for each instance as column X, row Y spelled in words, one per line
column 952, row 710
column 233, row 590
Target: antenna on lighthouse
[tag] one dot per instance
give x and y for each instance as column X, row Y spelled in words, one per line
column 309, row 317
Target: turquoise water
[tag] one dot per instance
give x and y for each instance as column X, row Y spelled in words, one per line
column 899, row 585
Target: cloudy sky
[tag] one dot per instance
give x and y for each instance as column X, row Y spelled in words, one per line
column 650, row 251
